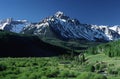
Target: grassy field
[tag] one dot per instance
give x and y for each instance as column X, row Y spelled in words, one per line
column 36, row 68
column 97, row 66
column 107, row 65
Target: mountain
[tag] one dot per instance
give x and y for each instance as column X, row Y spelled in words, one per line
column 10, row 24
column 19, row 45
column 63, row 27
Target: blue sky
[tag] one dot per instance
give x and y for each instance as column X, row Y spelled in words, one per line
column 100, row 12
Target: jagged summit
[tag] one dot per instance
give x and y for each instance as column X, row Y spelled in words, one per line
column 62, row 26
column 59, row 13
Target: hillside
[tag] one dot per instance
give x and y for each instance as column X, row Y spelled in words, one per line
column 105, row 58
column 112, row 49
column 18, row 45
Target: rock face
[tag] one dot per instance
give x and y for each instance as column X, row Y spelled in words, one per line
column 62, row 26
column 13, row 25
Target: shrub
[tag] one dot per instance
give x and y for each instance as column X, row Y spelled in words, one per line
column 89, row 75
column 23, row 77
column 20, row 64
column 99, row 77
column 17, row 71
column 3, row 67
column 64, row 73
column 53, row 73
column 34, row 64
column 73, row 74
column 97, row 66
column 44, row 77
column 85, row 75
column 90, row 68
column 113, row 71
column 33, row 76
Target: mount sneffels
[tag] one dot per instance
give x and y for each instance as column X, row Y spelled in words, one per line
column 61, row 26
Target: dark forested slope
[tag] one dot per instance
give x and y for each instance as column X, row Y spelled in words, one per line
column 16, row 45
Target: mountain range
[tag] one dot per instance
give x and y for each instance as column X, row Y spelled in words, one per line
column 63, row 27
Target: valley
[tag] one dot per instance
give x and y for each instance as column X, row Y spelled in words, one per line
column 56, row 59
column 58, row 47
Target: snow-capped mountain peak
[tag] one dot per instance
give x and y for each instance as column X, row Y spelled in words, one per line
column 62, row 26
column 59, row 14
column 10, row 24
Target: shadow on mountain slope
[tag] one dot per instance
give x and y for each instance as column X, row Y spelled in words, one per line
column 16, row 45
